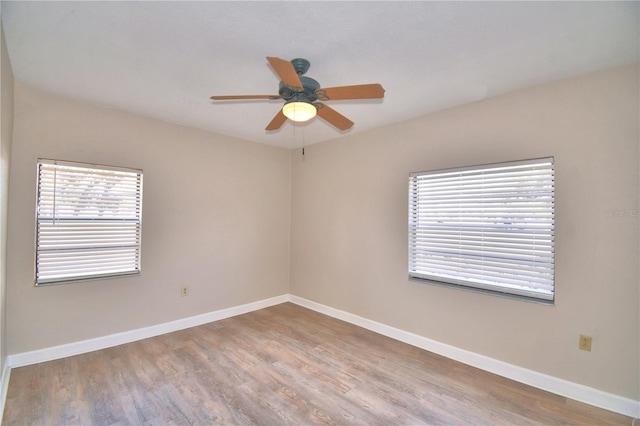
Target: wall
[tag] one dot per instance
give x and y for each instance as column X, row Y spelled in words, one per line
column 349, row 227
column 6, row 131
column 215, row 218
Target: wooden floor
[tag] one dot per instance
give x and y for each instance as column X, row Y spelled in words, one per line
column 280, row 365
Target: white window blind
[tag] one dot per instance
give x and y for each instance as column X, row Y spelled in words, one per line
column 88, row 221
column 489, row 227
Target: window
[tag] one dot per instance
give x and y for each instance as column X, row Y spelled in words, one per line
column 487, row 227
column 88, row 221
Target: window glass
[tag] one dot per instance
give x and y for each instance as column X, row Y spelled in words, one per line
column 89, row 221
column 488, row 227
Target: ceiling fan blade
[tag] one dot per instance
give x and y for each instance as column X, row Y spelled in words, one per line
column 360, row 91
column 333, row 116
column 286, row 72
column 234, row 97
column 277, row 121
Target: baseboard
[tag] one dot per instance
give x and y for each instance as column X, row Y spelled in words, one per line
column 575, row 391
column 76, row 348
column 4, row 386
column 591, row 396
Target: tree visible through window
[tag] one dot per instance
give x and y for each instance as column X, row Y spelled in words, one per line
column 487, row 227
column 88, row 221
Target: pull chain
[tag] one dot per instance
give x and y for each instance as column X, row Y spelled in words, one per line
column 294, row 135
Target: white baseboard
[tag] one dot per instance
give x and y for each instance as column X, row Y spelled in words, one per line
column 591, row 396
column 4, row 386
column 575, row 391
column 76, row 348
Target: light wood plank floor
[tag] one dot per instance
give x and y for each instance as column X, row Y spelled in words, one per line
column 280, row 365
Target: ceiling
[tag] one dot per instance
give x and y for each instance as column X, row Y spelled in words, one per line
column 164, row 59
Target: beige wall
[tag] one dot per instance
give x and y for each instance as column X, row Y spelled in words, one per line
column 6, row 130
column 349, row 227
column 215, row 218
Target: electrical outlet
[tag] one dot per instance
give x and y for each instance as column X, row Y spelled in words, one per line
column 585, row 343
column 184, row 291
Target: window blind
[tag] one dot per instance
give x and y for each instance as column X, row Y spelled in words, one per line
column 88, row 221
column 489, row 227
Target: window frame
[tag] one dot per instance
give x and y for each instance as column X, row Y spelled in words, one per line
column 109, row 222
column 433, row 260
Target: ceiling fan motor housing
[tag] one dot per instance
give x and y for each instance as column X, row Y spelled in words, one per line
column 308, row 94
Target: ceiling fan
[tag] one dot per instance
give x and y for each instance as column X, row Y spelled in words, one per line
column 302, row 95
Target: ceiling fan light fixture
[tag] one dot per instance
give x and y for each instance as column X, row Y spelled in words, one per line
column 299, row 111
